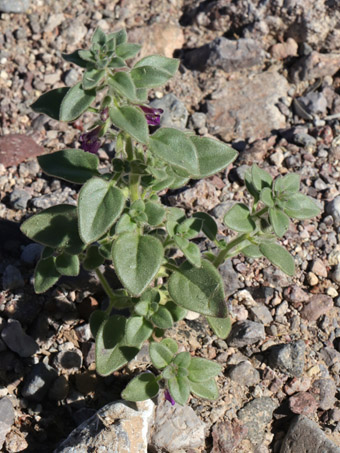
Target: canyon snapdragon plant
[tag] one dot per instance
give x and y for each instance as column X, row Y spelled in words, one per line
column 120, row 220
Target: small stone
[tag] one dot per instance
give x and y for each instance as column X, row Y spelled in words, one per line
column 230, row 278
column 295, row 384
column 12, row 278
column 14, row 6
column 227, row 436
column 303, row 403
column 305, row 436
column 19, row 198
column 277, row 158
column 17, row 340
column 255, row 416
column 31, row 253
column 15, row 442
column 38, row 382
column 71, row 77
column 7, row 416
column 245, row 333
column 318, row 305
column 332, row 292
column 312, row 279
column 174, row 113
column 319, row 268
column 59, row 389
column 74, row 32
column 69, row 360
column 16, row 148
column 198, row 120
column 333, row 208
column 245, row 374
column 324, row 391
column 282, row 50
column 336, row 274
column 288, row 358
column 314, row 102
column 260, row 313
column 315, row 65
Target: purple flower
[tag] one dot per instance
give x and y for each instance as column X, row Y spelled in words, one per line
column 152, row 115
column 168, row 397
column 90, row 140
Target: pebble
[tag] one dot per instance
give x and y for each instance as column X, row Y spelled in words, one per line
column 12, row 278
column 245, row 374
column 59, row 389
column 69, row 359
column 19, row 198
column 318, row 305
column 174, row 113
column 333, row 208
column 227, row 436
column 255, row 416
column 314, row 102
column 324, row 391
column 14, row 6
column 260, row 313
column 71, row 77
column 245, row 333
column 17, row 340
column 7, row 416
column 198, row 120
column 336, row 274
column 288, row 358
column 38, row 382
column 230, row 278
column 31, row 253
column 303, row 403
column 319, row 268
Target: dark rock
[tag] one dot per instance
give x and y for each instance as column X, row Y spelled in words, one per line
column 7, row 416
column 288, row 358
column 69, row 360
column 324, row 391
column 31, row 253
column 305, row 436
column 245, row 374
column 245, row 333
column 12, row 278
column 19, row 198
column 255, row 416
column 226, row 54
column 38, row 382
column 16, row 148
column 17, row 340
column 230, row 278
column 59, row 389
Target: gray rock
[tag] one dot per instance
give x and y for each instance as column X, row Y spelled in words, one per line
column 226, row 54
column 38, row 382
column 255, row 416
column 260, row 313
column 315, row 65
column 115, row 428
column 305, row 436
column 288, row 358
column 198, row 120
column 333, row 208
column 12, row 278
column 14, row 6
column 7, row 416
column 31, row 253
column 221, row 209
column 230, row 278
column 176, row 428
column 17, row 340
column 174, row 113
column 19, row 198
column 69, row 359
column 245, row 333
column 336, row 274
column 304, row 139
column 74, row 31
column 324, row 391
column 245, row 108
column 245, row 374
column 314, row 102
column 71, row 77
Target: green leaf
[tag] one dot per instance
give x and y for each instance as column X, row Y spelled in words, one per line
column 87, row 55
column 182, row 359
column 99, row 206
column 50, row 102
column 213, row 156
column 116, row 63
column 209, row 226
column 119, row 36
column 45, row 275
column 75, row 103
column 300, row 207
column 125, row 224
column 160, row 355
column 73, row 165
column 191, row 251
column 207, row 389
column 288, row 184
column 248, row 180
column 131, row 120
column 238, row 218
column 279, row 221
column 137, row 330
column 170, row 344
column 67, row 264
column 93, row 258
column 174, row 147
column 278, row 256
column 127, row 50
column 260, row 178
column 137, row 260
column 162, row 318
column 123, row 83
column 92, row 78
column 141, row 388
column 112, row 352
column 98, row 37
column 252, row 251
column 96, row 319
column 55, row 227
column 220, row 326
column 149, row 77
column 176, row 311
column 75, row 58
column 266, row 197
column 198, row 289
column 169, row 65
column 155, row 213
column 201, row 370
column 179, row 389
column 189, row 228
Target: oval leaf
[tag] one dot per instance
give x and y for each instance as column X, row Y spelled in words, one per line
column 99, row 206
column 67, row 265
column 123, row 83
column 137, row 331
column 278, row 256
column 45, row 275
column 160, row 355
column 131, row 120
column 75, row 103
column 50, row 102
column 198, row 289
column 207, row 389
column 73, row 165
column 279, row 221
column 179, row 389
column 238, row 219
column 301, row 207
column 141, row 388
column 220, row 326
column 201, row 370
column 137, row 260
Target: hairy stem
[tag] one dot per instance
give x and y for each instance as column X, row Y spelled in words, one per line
column 224, row 254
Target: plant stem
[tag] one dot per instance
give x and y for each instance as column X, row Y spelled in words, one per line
column 134, row 187
column 224, row 254
column 105, row 285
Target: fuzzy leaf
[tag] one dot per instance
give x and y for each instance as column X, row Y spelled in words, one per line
column 278, row 256
column 50, row 102
column 75, row 103
column 141, row 388
column 45, row 275
column 131, row 120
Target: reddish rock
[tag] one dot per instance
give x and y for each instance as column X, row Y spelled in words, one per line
column 296, row 295
column 315, row 65
column 16, row 148
column 303, row 403
column 318, row 305
column 297, row 385
column 319, row 268
column 282, row 50
column 227, row 436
